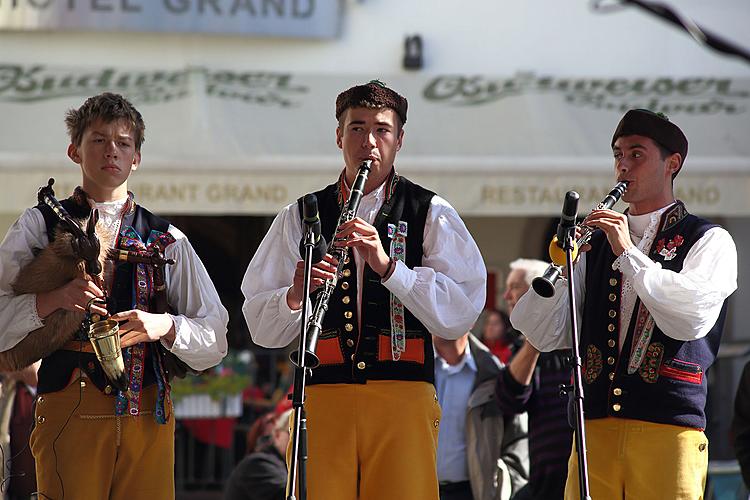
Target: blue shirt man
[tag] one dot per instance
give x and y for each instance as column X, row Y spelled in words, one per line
column 482, row 453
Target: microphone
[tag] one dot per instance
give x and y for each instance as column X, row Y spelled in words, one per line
column 311, row 219
column 567, row 221
column 568, row 217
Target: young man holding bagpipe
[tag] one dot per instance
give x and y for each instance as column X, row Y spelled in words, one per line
column 104, row 427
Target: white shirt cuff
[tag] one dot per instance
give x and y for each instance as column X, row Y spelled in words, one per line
column 29, row 304
column 181, row 336
column 631, row 262
column 401, row 280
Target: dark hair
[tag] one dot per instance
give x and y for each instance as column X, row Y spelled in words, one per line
column 108, row 107
column 373, row 95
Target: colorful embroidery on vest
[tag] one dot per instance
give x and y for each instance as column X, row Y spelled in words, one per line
column 649, row 369
column 134, row 356
column 644, row 329
column 593, row 365
column 397, row 234
column 669, row 251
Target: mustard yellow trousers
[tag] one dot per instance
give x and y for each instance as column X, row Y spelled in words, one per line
column 635, row 460
column 374, row 441
column 84, row 452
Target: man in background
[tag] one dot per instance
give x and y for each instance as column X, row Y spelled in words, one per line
column 482, row 452
column 262, row 474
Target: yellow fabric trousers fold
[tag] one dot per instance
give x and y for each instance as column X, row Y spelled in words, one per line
column 635, row 460
column 374, row 441
column 84, row 452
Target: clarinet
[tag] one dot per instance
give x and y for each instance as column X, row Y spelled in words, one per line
column 545, row 285
column 315, row 323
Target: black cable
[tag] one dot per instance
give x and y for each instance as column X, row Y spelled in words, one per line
column 667, row 13
column 67, row 420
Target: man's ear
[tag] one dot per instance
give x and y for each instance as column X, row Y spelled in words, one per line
column 400, row 139
column 339, row 138
column 674, row 163
column 136, row 161
column 73, row 153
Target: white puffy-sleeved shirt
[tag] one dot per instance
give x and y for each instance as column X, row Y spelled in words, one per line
column 446, row 293
column 684, row 305
column 201, row 319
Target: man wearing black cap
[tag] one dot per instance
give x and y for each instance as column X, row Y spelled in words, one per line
column 651, row 291
column 413, row 269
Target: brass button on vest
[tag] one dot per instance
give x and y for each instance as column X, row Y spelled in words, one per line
column 345, row 285
column 348, row 327
column 611, row 327
column 612, row 282
column 346, row 273
column 361, row 365
column 610, row 360
column 612, row 375
column 617, row 407
column 611, row 343
column 612, row 297
column 612, row 313
column 349, row 343
column 346, row 299
column 348, row 314
column 617, row 391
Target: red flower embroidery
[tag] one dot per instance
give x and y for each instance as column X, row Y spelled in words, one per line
column 670, row 251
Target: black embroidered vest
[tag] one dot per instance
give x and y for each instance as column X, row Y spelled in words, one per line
column 57, row 368
column 655, row 378
column 350, row 355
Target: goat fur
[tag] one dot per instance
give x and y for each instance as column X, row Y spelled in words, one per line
column 53, row 267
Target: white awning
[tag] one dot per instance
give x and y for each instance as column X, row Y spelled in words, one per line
column 227, row 141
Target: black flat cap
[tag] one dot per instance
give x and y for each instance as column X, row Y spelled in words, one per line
column 656, row 126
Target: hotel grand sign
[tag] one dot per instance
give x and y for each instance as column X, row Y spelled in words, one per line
column 283, row 18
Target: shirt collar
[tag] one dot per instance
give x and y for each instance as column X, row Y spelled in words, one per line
column 640, row 223
column 467, row 360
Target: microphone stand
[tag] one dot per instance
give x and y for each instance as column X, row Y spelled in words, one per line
column 577, row 387
column 298, row 458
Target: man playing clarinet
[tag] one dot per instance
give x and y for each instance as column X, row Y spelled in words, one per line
column 652, row 290
column 412, row 269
